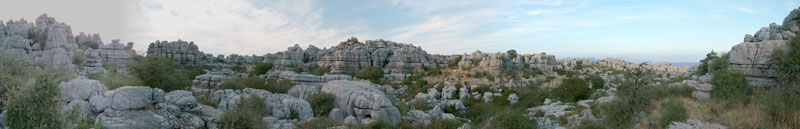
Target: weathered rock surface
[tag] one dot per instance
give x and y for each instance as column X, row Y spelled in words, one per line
column 281, row 106
column 363, row 100
column 753, row 55
column 144, row 107
column 308, row 79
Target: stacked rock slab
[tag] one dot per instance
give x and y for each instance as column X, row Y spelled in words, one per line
column 753, row 55
column 47, row 41
column 363, row 101
column 117, row 54
column 495, row 63
column 182, row 52
column 307, row 79
column 144, row 107
column 702, row 86
column 352, row 56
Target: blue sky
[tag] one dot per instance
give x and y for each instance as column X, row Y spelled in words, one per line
column 672, row 30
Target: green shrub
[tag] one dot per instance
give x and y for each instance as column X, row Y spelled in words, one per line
column 238, row 68
column 78, row 59
column 714, row 61
column 319, row 71
column 321, row 103
column 298, row 69
column 673, row 111
column 616, row 114
column 115, row 80
column 13, row 73
column 420, row 104
column 373, row 74
column 90, row 44
column 512, row 53
column 246, row 116
column 444, row 124
column 270, row 85
column 83, row 122
column 530, row 96
column 596, row 81
column 730, row 84
column 36, row 105
column 573, row 90
column 161, row 73
column 513, row 119
column 320, row 123
column 262, row 68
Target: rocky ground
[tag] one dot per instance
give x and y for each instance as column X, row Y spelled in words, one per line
column 414, row 90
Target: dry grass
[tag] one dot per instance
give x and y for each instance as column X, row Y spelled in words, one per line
column 732, row 114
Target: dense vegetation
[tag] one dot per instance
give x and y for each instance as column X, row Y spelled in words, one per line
column 247, row 115
column 262, row 68
column 321, row 103
column 373, row 74
column 573, row 90
column 163, row 73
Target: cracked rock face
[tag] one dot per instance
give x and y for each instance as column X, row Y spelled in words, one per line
column 363, row 100
column 753, row 55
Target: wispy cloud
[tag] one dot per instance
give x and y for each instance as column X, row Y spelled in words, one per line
column 746, row 10
column 234, row 26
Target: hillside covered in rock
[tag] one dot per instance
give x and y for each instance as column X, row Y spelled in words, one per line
column 51, row 78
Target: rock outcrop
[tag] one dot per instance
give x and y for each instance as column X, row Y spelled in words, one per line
column 353, row 56
column 495, row 63
column 363, row 101
column 754, row 54
column 281, row 106
column 144, row 107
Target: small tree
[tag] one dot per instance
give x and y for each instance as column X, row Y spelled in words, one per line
column 512, row 53
column 322, row 103
column 372, row 73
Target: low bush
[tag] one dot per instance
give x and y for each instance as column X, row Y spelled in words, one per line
column 90, row 44
column 320, row 123
column 672, row 111
column 317, row 70
column 572, row 90
column 36, row 105
column 730, row 84
column 115, row 80
column 262, row 68
column 78, row 59
column 246, row 116
column 270, row 85
column 238, row 68
column 513, row 119
column 321, row 103
column 444, row 124
column 420, row 104
column 373, row 74
column 162, row 73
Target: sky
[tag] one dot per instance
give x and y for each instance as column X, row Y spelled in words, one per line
column 670, row 31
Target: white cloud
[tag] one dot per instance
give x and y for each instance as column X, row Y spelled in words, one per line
column 232, row 26
column 746, row 10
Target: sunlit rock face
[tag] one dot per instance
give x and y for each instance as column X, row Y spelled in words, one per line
column 754, row 54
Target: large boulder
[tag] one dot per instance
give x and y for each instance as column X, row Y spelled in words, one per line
column 363, row 100
column 81, row 89
column 130, row 97
column 281, row 106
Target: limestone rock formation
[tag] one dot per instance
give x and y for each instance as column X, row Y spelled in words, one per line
column 695, row 124
column 362, row 100
column 281, row 106
column 144, row 107
column 753, row 55
column 496, row 63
